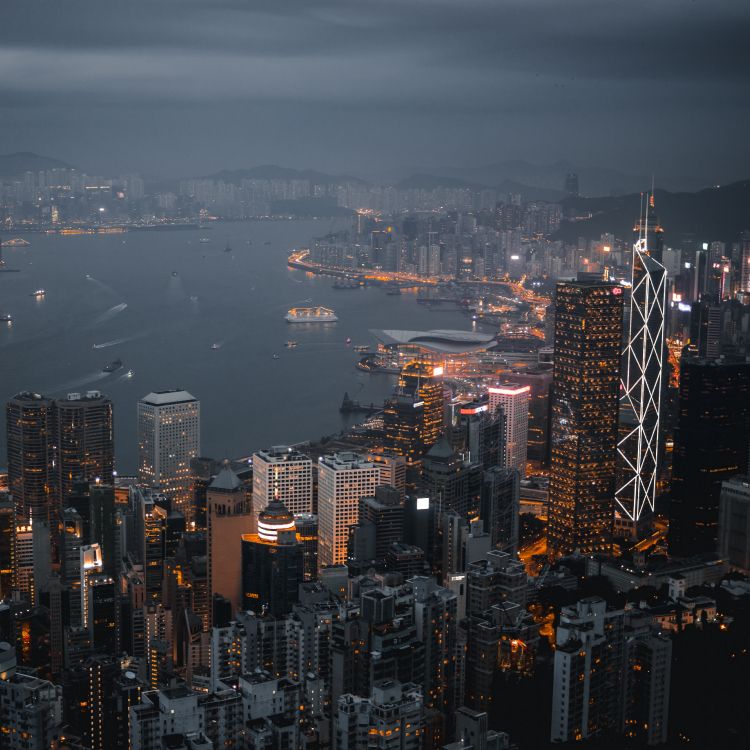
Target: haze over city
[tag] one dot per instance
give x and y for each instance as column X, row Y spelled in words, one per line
column 375, row 375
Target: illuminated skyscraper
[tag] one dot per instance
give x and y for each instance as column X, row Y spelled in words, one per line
column 168, row 437
column 641, row 387
column 343, row 478
column 649, row 229
column 420, row 378
column 285, row 475
column 31, row 454
column 84, row 440
column 513, row 398
column 586, row 379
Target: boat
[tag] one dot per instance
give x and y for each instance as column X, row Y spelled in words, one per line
column 174, row 273
column 112, row 366
column 204, row 240
column 130, row 373
column 193, row 298
column 290, row 344
column 311, row 315
column 276, row 356
column 216, row 346
column 6, row 317
column 361, row 348
column 38, row 293
column 88, row 275
column 16, row 242
column 348, row 341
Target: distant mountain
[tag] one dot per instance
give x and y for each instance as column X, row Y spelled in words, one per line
column 720, row 213
column 592, row 180
column 431, row 181
column 273, row 172
column 26, row 161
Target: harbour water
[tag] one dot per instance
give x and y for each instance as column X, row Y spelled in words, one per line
column 159, row 301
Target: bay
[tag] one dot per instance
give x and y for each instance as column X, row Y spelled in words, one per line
column 159, row 300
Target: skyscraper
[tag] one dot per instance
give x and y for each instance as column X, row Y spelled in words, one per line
column 641, row 384
column 84, row 440
column 586, row 379
column 272, row 563
column 343, row 478
column 514, row 401
column 420, row 379
column 168, row 437
column 285, row 475
column 711, row 444
column 31, row 454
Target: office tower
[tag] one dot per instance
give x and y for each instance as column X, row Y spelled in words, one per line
column 153, row 527
column 650, row 231
column 391, row 469
column 385, row 512
column 7, row 544
column 497, row 578
column 513, row 399
column 403, row 419
column 285, row 475
column 307, row 535
column 436, row 617
column 734, row 522
column 30, row 708
column 103, row 614
column 229, row 518
column 30, row 420
column 745, row 261
column 705, row 326
column 641, row 388
column 452, row 483
column 95, row 504
column 391, row 719
column 168, row 438
column 571, row 184
column 23, row 569
column 272, row 563
column 91, row 566
column 710, row 446
column 343, row 478
column 500, row 507
column 586, row 379
column 611, row 675
column 421, row 379
column 481, row 432
column 84, row 440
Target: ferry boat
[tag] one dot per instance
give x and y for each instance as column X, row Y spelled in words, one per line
column 112, row 366
column 38, row 293
column 311, row 315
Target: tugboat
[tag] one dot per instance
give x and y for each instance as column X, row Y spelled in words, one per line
column 112, row 366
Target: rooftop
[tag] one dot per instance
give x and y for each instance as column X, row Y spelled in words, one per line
column 162, row 398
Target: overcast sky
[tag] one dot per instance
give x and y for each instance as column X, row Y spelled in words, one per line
column 180, row 87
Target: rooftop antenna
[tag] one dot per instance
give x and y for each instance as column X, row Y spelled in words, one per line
column 640, row 222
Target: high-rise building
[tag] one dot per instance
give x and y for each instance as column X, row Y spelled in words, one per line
column 586, row 380
column 343, row 478
column 611, row 675
column 500, row 507
column 640, row 400
column 649, row 229
column 571, row 184
column 282, row 474
column 414, row 415
column 31, row 454
column 480, row 432
column 84, row 440
column 734, row 522
column 229, row 518
column 745, row 260
column 307, row 536
column 392, row 718
column 272, row 563
column 513, row 399
column 710, row 446
column 168, row 438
